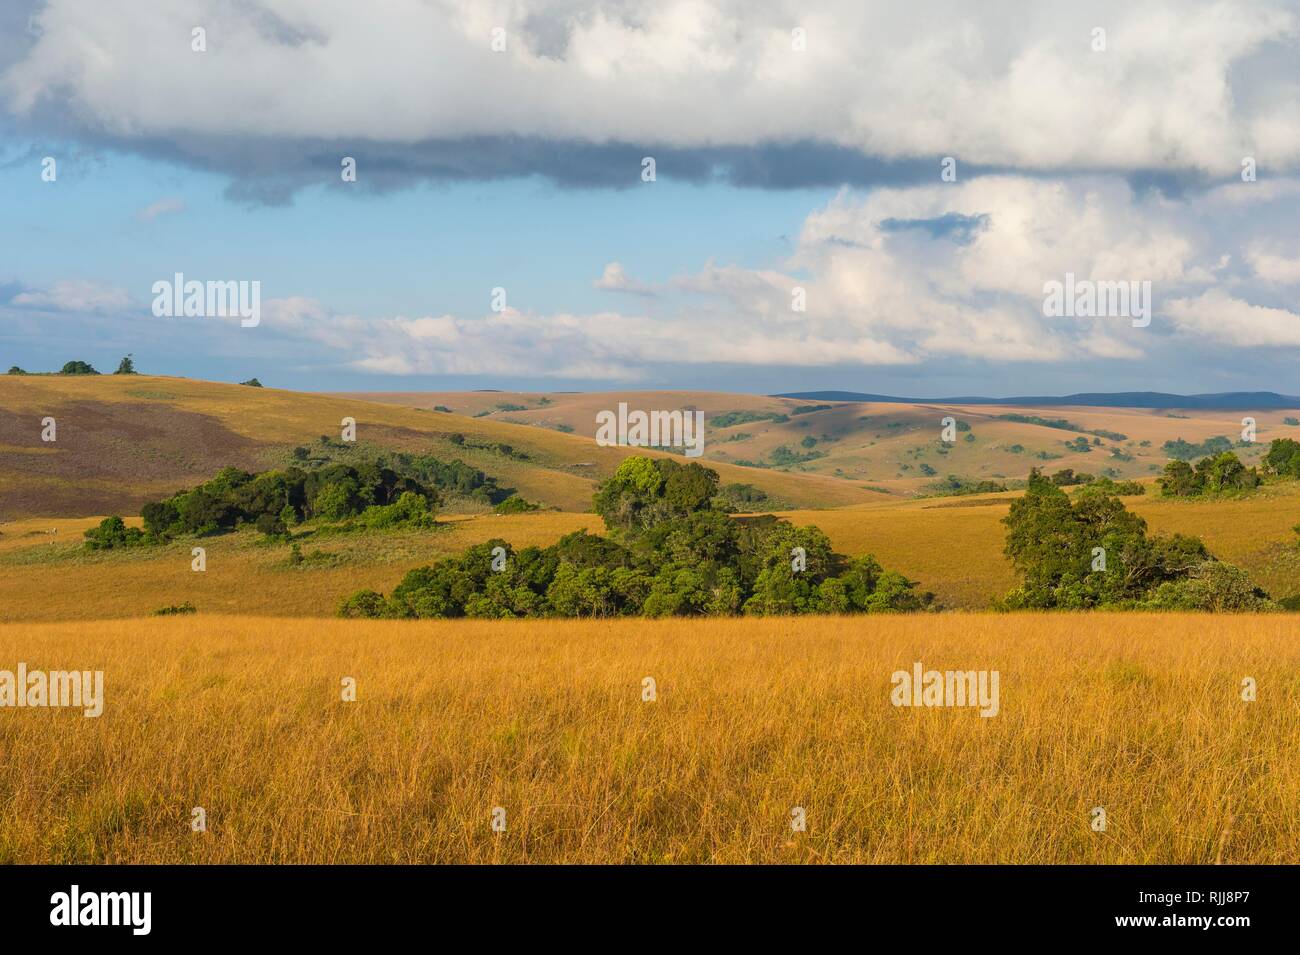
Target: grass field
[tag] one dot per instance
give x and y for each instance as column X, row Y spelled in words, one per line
column 124, row 440
column 1141, row 715
column 952, row 546
column 889, row 445
column 237, row 709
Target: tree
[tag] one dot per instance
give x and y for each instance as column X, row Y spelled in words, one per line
column 1179, row 480
column 252, row 383
column 77, row 368
column 126, row 366
column 1090, row 551
column 364, row 604
column 15, row 370
column 1213, row 587
column 1283, row 458
column 336, row 500
column 645, row 491
column 111, row 533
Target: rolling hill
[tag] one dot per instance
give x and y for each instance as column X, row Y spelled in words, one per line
column 895, row 448
column 124, row 440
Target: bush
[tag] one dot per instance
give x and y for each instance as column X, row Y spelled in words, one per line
column 673, row 550
column 739, row 497
column 77, row 368
column 1213, row 587
column 272, row 526
column 362, row 604
column 1217, row 474
column 175, row 609
column 1283, row 458
column 1054, row 542
column 113, row 533
column 515, row 504
column 410, row 510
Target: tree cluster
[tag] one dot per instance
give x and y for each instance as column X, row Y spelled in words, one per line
column 1089, row 551
column 672, row 550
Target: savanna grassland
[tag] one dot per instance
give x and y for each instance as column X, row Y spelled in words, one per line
column 953, row 546
column 1141, row 715
column 237, row 707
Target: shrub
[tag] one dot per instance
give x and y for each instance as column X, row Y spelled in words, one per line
column 1054, row 543
column 271, row 525
column 77, row 368
column 362, row 604
column 673, row 550
column 1216, row 474
column 515, row 504
column 1283, row 458
column 1213, row 587
column 739, row 497
column 112, row 533
column 409, row 510
column 175, row 609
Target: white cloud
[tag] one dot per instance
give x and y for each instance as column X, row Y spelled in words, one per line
column 162, row 207
column 891, row 277
column 1274, row 266
column 615, row 279
column 74, row 295
column 1180, row 85
column 1218, row 317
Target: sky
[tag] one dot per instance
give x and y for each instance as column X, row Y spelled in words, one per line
column 861, row 196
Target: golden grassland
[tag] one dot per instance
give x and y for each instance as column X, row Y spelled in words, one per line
column 45, row 576
column 952, row 546
column 885, row 443
column 1141, row 715
column 561, row 469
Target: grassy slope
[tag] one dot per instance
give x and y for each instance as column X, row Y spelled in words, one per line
column 1141, row 715
column 953, row 546
column 885, row 445
column 123, row 440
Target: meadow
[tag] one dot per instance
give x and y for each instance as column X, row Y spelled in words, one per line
column 244, row 717
column 952, row 546
column 238, row 708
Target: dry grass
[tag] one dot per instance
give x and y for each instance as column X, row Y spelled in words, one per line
column 1139, row 714
column 46, row 576
column 561, row 469
column 952, row 546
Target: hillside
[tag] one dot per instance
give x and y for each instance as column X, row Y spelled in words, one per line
column 953, row 546
column 893, row 447
column 125, row 440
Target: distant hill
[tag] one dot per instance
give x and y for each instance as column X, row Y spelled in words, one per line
column 123, row 440
column 1228, row 400
column 892, row 445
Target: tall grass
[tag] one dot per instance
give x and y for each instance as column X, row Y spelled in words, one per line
column 1141, row 715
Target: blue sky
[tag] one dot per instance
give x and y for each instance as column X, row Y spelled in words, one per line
column 780, row 172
